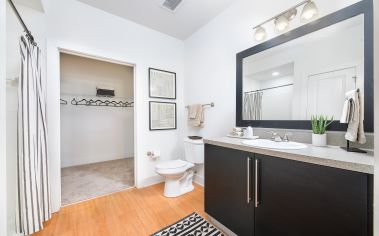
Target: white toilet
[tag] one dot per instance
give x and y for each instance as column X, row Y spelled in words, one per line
column 178, row 174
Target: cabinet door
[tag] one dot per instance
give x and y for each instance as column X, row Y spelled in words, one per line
column 301, row 199
column 227, row 188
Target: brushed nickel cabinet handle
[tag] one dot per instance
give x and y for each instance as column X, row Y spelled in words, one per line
column 256, row 201
column 248, row 181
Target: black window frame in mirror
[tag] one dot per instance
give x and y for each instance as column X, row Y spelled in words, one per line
column 364, row 7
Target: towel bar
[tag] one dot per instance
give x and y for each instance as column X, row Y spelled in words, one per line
column 212, row 104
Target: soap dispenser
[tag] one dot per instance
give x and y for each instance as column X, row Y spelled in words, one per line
column 248, row 132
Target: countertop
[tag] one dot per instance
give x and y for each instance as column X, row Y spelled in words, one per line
column 331, row 156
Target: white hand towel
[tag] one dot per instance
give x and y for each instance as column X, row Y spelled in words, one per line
column 237, row 129
column 355, row 131
column 345, row 112
column 196, row 115
column 192, row 111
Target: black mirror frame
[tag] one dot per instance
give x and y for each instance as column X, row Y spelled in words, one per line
column 364, row 7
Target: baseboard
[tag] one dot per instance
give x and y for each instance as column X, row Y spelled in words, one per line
column 199, row 180
column 85, row 161
column 156, row 179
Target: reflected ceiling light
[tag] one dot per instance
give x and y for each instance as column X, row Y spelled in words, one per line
column 282, row 20
column 275, row 73
column 282, row 23
column 260, row 34
column 291, row 14
column 309, row 12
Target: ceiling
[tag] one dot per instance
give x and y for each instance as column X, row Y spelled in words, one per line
column 280, row 71
column 35, row 4
column 187, row 19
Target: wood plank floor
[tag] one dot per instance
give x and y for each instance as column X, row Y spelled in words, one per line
column 130, row 212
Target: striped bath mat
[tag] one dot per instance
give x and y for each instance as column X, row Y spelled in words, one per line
column 192, row 225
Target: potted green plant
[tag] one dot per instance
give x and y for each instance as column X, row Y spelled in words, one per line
column 319, row 125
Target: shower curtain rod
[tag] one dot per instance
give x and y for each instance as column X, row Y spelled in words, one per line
column 259, row 90
column 27, row 31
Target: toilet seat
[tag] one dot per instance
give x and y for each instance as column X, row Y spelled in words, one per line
column 173, row 167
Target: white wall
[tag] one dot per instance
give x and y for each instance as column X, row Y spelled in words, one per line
column 277, row 102
column 3, row 180
column 95, row 134
column 210, row 64
column 81, row 76
column 376, row 117
column 94, row 32
column 11, row 134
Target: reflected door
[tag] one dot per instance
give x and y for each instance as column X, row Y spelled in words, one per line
column 326, row 92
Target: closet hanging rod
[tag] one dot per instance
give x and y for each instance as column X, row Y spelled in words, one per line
column 27, row 31
column 259, row 90
column 63, row 102
column 212, row 104
column 101, row 103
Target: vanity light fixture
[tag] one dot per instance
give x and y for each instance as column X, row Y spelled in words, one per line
column 275, row 73
column 309, row 12
column 260, row 34
column 282, row 20
column 282, row 23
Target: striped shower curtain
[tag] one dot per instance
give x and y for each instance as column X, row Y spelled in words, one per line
column 252, row 106
column 33, row 180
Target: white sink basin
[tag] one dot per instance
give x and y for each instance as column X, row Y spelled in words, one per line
column 265, row 143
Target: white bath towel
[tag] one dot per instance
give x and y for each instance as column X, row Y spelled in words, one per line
column 346, row 112
column 355, row 130
column 196, row 115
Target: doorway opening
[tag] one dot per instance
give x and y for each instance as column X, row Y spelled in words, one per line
column 97, row 127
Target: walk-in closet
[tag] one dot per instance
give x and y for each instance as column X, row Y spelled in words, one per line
column 97, row 127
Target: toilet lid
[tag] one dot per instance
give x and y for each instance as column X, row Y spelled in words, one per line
column 172, row 164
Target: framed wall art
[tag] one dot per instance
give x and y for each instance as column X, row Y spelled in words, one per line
column 162, row 115
column 162, row 84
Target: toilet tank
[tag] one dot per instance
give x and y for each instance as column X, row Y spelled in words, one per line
column 194, row 150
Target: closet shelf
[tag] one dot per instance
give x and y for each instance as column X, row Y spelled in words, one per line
column 95, row 97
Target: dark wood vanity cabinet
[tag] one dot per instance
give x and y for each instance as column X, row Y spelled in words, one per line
column 298, row 199
column 288, row 198
column 226, row 188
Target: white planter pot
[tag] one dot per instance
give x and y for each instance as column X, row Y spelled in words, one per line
column 319, row 140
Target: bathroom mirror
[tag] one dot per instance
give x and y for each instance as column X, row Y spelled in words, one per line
column 283, row 82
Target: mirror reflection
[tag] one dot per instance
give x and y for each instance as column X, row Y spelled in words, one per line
column 306, row 76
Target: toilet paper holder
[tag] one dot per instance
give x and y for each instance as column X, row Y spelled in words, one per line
column 153, row 154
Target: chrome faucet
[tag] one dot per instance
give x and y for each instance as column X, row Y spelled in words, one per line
column 286, row 136
column 277, row 138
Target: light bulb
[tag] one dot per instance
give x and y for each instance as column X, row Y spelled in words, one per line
column 309, row 12
column 281, row 23
column 260, row 34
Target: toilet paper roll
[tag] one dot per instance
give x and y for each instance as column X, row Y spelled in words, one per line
column 156, row 154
